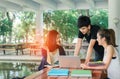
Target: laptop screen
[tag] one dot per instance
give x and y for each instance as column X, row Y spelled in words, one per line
column 69, row 61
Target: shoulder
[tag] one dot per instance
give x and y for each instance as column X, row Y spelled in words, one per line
column 44, row 49
column 94, row 29
column 110, row 48
column 61, row 50
column 97, row 26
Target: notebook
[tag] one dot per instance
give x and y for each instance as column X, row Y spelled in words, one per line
column 69, row 62
column 97, row 63
column 58, row 72
column 81, row 73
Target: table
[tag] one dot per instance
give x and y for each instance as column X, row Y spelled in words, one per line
column 34, row 47
column 15, row 47
column 96, row 74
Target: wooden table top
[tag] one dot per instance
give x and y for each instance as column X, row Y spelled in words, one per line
column 96, row 74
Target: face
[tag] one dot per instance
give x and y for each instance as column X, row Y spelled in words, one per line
column 85, row 29
column 99, row 39
column 58, row 39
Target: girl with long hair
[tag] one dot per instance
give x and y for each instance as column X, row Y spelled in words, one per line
column 52, row 51
column 111, row 61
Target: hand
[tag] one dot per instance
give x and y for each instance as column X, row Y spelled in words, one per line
column 83, row 66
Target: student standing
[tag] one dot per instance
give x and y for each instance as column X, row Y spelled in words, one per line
column 90, row 33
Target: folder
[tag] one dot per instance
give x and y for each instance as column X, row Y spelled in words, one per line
column 58, row 72
column 81, row 73
column 97, row 63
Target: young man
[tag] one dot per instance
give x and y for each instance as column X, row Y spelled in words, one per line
column 90, row 33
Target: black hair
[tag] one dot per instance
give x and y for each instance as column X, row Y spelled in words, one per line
column 83, row 21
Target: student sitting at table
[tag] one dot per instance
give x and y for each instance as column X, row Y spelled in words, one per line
column 52, row 50
column 106, row 38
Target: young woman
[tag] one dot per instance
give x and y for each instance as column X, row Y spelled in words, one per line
column 106, row 38
column 52, row 50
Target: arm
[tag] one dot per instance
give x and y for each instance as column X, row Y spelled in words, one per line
column 90, row 49
column 106, row 61
column 78, row 46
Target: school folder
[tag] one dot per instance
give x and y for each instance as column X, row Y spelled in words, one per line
column 97, row 63
column 58, row 72
column 81, row 73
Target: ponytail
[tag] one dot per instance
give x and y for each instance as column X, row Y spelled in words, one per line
column 112, row 37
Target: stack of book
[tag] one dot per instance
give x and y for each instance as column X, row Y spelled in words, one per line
column 58, row 72
column 81, row 73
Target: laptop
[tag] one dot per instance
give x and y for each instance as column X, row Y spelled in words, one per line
column 69, row 62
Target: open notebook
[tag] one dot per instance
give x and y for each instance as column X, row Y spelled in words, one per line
column 69, row 61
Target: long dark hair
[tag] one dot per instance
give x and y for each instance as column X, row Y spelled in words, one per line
column 51, row 40
column 109, row 35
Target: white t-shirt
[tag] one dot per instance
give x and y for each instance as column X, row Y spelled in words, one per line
column 52, row 57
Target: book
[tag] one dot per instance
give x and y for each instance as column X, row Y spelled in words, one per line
column 81, row 73
column 98, row 63
column 58, row 72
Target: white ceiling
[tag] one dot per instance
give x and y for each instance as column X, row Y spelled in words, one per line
column 35, row 5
